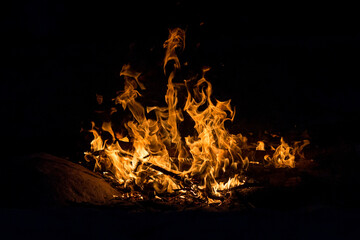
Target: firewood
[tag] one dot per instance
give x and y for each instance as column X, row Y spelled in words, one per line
column 164, row 171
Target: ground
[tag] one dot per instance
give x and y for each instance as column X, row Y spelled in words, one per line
column 48, row 195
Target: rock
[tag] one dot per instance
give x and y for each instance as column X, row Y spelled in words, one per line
column 43, row 179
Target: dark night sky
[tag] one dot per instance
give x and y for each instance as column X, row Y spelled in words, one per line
column 288, row 65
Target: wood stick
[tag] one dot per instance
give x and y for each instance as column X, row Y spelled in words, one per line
column 164, row 171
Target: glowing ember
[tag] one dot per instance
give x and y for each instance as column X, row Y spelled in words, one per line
column 206, row 164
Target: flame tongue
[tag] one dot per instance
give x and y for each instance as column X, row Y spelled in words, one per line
column 160, row 158
column 215, row 151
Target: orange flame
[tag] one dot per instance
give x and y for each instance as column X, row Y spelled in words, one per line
column 284, row 155
column 160, row 158
column 260, row 146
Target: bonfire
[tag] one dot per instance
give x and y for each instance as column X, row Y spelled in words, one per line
column 151, row 157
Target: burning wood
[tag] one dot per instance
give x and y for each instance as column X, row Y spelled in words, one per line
column 208, row 164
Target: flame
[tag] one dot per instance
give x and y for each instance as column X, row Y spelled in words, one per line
column 210, row 162
column 284, row 155
column 260, row 146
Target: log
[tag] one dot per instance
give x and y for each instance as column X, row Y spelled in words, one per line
column 164, row 171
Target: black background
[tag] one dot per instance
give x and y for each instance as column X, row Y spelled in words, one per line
column 283, row 66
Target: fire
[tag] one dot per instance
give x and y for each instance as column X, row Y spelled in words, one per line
column 284, row 155
column 160, row 158
column 260, row 146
